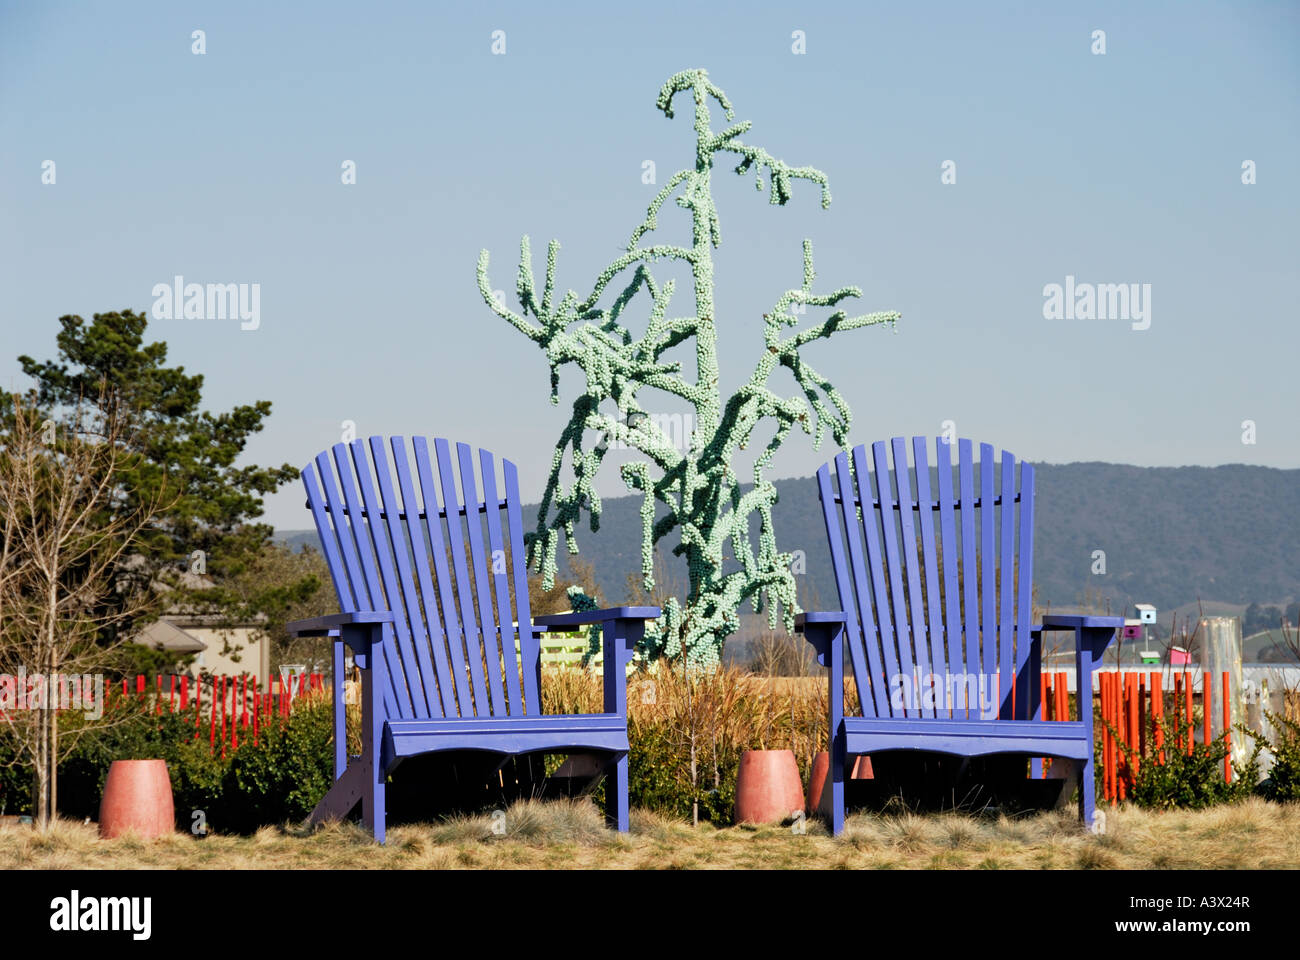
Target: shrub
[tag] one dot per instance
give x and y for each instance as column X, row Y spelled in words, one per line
column 1283, row 782
column 1193, row 780
column 284, row 777
column 15, row 779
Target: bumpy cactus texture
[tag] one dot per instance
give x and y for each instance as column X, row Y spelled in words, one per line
column 698, row 488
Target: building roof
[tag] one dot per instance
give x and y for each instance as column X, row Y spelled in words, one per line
column 165, row 635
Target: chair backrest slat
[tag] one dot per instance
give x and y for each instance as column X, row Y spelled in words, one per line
column 501, row 582
column 874, row 697
column 1026, row 694
column 409, row 685
column 444, row 702
column 530, row 647
column 887, row 669
column 329, row 539
column 411, row 630
column 953, row 632
column 362, row 541
column 446, row 599
column 933, row 588
column 469, row 618
column 922, row 603
column 894, row 573
column 490, row 653
column 882, row 660
column 987, row 567
column 969, row 571
column 911, row 567
column 1007, row 575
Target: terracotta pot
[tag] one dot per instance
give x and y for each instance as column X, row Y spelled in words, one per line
column 817, row 780
column 138, row 798
column 860, row 769
column 768, row 786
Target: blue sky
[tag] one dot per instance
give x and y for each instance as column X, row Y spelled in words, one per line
column 1119, row 168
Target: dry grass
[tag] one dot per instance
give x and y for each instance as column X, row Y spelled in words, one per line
column 725, row 711
column 561, row 834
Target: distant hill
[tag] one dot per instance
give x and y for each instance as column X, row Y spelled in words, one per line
column 1172, row 535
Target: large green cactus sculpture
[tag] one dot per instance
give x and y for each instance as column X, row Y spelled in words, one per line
column 697, row 487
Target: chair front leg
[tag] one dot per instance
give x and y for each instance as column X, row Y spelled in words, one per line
column 367, row 642
column 340, row 713
column 1090, row 646
column 825, row 638
column 620, row 637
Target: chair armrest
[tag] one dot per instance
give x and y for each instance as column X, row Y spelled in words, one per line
column 820, row 616
column 1095, row 634
column 822, row 629
column 330, row 626
column 1061, row 621
column 581, row 617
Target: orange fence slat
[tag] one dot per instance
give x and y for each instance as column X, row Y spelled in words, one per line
column 1227, row 730
column 1158, row 714
column 1207, row 701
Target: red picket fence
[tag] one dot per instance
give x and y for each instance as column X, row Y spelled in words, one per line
column 237, row 707
column 1128, row 699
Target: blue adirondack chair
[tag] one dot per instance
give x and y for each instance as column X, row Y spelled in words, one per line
column 447, row 664
column 944, row 653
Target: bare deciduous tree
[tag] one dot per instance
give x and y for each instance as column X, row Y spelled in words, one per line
column 64, row 530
